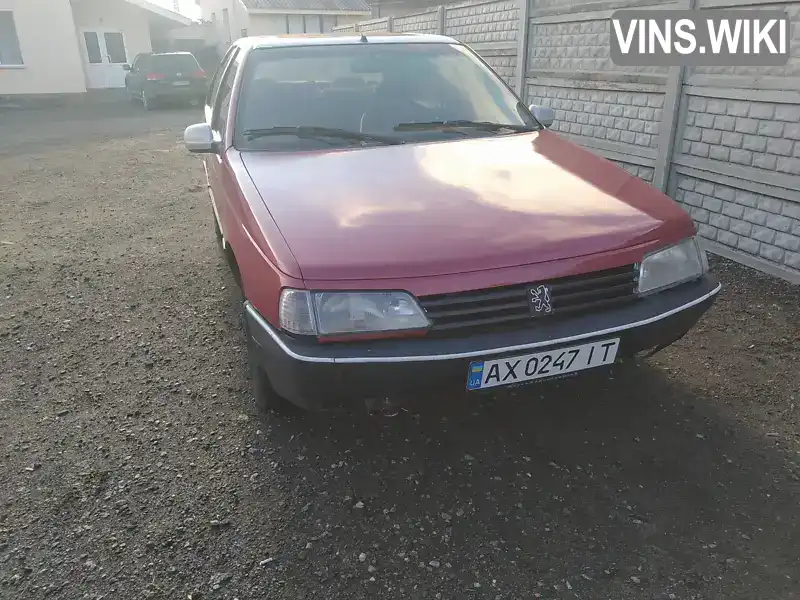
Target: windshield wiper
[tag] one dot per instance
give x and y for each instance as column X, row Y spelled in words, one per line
column 461, row 123
column 320, row 132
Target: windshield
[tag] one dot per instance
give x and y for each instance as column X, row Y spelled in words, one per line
column 411, row 92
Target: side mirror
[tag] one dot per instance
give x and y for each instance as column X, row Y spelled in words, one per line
column 126, row 67
column 544, row 114
column 199, row 139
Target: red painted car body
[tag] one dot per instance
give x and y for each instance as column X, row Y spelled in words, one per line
column 440, row 217
column 430, row 218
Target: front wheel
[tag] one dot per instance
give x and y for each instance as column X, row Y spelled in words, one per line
column 148, row 102
column 267, row 399
column 217, row 231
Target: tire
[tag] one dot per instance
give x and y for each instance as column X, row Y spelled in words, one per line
column 267, row 399
column 217, row 230
column 148, row 103
column 227, row 253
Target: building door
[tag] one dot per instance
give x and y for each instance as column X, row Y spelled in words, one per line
column 104, row 53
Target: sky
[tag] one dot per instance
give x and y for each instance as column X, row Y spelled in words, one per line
column 188, row 7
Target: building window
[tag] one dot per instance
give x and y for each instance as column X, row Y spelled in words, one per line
column 93, row 51
column 10, row 53
column 115, row 47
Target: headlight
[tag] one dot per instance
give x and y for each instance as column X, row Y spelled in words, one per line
column 671, row 266
column 337, row 313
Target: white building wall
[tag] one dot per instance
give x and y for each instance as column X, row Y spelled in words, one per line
column 345, row 20
column 49, row 47
column 131, row 20
column 267, row 24
column 195, row 31
column 238, row 20
column 258, row 23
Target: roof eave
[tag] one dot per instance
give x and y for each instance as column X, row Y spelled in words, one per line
column 176, row 18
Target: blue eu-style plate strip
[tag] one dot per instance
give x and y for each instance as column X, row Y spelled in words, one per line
column 475, row 378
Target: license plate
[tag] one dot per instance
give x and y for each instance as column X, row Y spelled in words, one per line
column 180, row 83
column 517, row 369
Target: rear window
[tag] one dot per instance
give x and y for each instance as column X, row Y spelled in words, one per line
column 175, row 63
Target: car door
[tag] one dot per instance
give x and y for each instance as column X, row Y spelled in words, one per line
column 130, row 76
column 217, row 115
column 138, row 73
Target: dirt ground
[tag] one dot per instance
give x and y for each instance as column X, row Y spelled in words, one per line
column 134, row 464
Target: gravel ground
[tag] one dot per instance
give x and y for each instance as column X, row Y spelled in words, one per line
column 135, row 464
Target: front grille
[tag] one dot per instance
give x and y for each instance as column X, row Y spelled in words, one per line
column 509, row 306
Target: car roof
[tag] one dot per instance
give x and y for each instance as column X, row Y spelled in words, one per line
column 335, row 39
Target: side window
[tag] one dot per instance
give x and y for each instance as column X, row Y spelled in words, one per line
column 219, row 118
column 142, row 63
column 215, row 80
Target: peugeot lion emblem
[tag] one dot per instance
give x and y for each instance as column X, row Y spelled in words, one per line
column 540, row 300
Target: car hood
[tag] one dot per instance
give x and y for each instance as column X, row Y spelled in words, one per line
column 448, row 207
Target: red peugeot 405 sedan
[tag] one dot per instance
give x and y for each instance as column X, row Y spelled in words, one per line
column 397, row 219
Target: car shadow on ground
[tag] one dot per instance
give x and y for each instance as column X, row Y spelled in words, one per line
column 632, row 470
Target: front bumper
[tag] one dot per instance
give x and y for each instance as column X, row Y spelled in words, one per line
column 323, row 376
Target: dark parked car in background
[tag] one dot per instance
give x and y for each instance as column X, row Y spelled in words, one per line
column 155, row 79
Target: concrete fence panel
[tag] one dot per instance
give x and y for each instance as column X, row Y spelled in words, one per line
column 374, row 25
column 615, row 111
column 490, row 28
column 476, row 22
column 735, row 161
column 722, row 141
column 423, row 22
